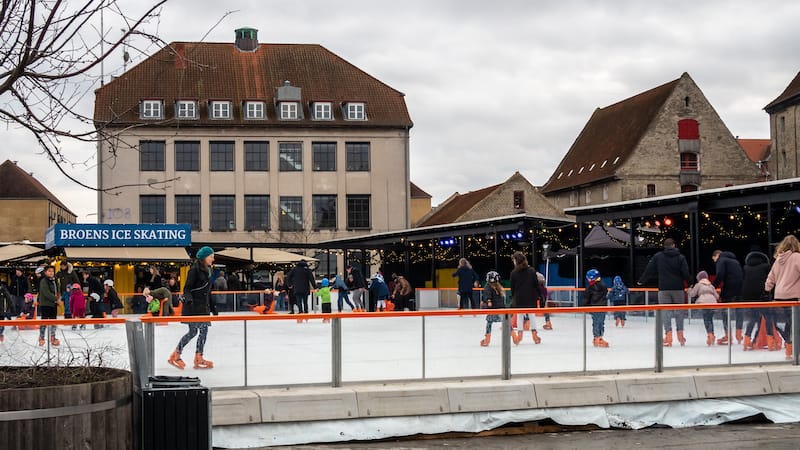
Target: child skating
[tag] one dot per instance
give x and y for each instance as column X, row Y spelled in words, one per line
column 595, row 294
column 619, row 297
column 324, row 294
column 493, row 298
column 704, row 293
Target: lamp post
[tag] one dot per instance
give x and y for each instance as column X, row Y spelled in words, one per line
column 546, row 254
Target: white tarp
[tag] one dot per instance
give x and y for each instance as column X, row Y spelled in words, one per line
column 264, row 255
column 17, row 251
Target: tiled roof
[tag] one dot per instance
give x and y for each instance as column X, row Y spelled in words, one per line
column 18, row 184
column 417, row 192
column 609, row 137
column 790, row 94
column 218, row 71
column 456, row 207
column 755, row 149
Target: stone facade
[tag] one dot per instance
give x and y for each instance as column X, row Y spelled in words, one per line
column 784, row 126
column 500, row 202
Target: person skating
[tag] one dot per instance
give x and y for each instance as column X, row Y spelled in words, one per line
column 358, row 286
column 705, row 293
column 402, row 292
column 494, row 297
column 49, row 299
column 381, row 291
column 729, row 276
column 524, row 291
column 7, row 307
column 467, row 279
column 324, row 294
column 301, row 280
column 342, row 293
column 618, row 296
column 595, row 294
column 112, row 297
column 77, row 304
column 670, row 269
column 784, row 277
column 756, row 269
column 542, row 300
column 197, row 302
column 65, row 278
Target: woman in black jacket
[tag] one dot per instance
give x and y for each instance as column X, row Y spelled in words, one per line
column 197, row 299
column 756, row 268
column 524, row 291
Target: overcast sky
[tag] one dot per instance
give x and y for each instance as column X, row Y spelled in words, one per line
column 495, row 87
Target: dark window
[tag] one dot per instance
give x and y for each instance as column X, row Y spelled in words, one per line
column 187, row 210
column 151, row 156
column 651, row 190
column 256, row 212
column 688, row 188
column 256, row 156
column 689, row 162
column 324, row 156
column 291, row 214
column 221, row 155
column 688, row 129
column 291, row 156
column 324, row 212
column 187, row 156
column 358, row 211
column 519, row 199
column 152, row 209
column 357, row 156
column 223, row 213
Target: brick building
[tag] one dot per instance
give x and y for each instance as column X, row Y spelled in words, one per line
column 784, row 126
column 663, row 141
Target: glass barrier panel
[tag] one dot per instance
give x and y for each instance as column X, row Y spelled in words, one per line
column 453, row 349
column 380, row 348
column 695, row 351
column 560, row 348
column 768, row 329
column 628, row 341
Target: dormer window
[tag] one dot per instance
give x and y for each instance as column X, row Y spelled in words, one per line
column 289, row 110
column 355, row 111
column 254, row 110
column 323, row 111
column 186, row 109
column 220, row 109
column 152, row 109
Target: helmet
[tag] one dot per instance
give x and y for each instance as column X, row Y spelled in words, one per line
column 109, row 283
column 39, row 269
column 325, row 282
column 592, row 274
column 76, row 286
column 377, row 276
column 492, row 277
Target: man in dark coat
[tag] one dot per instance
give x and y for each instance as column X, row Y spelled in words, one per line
column 18, row 289
column 670, row 269
column 301, row 280
column 729, row 276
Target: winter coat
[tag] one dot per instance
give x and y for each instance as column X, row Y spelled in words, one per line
column 467, row 277
column 785, row 276
column 113, row 299
column 524, row 286
column 756, row 269
column 356, row 280
column 6, row 303
column 595, row 294
column 324, row 295
column 380, row 289
column 618, row 294
column 669, row 267
column 48, row 292
column 402, row 287
column 95, row 286
column 339, row 284
column 65, row 279
column 197, row 292
column 704, row 292
column 301, row 279
column 729, row 275
column 19, row 285
column 498, row 298
column 76, row 300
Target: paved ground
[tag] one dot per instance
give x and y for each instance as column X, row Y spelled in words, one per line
column 727, row 437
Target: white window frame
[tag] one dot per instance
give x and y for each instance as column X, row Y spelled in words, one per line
column 152, row 109
column 220, row 110
column 289, row 110
column 605, row 192
column 255, row 110
column 356, row 111
column 323, row 111
column 185, row 106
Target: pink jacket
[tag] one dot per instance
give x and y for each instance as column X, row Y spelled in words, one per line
column 704, row 291
column 785, row 276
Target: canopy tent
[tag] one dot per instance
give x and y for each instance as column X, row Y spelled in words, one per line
column 127, row 254
column 607, row 237
column 264, row 255
column 13, row 252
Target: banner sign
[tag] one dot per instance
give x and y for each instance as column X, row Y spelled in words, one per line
column 107, row 235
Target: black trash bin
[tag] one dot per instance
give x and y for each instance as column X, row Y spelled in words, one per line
column 174, row 414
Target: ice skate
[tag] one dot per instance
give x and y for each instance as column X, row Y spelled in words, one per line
column 175, row 360
column 41, row 342
column 772, row 344
column 547, row 325
column 54, row 341
column 486, row 340
column 622, row 323
column 668, row 339
column 526, row 325
column 536, row 338
column 200, row 363
column 723, row 340
column 789, row 355
column 2, row 338
column 516, row 336
column 748, row 343
column 617, row 321
column 738, row 335
column 710, row 339
column 681, row 339
column 601, row 342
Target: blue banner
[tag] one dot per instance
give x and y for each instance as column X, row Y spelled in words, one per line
column 105, row 235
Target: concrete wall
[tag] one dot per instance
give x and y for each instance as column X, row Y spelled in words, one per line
column 784, row 129
column 387, row 182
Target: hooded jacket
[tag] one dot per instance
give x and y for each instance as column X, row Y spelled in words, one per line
column 729, row 275
column 619, row 292
column 756, row 269
column 301, row 279
column 524, row 286
column 785, row 276
column 595, row 294
column 197, row 292
column 704, row 291
column 467, row 277
column 669, row 267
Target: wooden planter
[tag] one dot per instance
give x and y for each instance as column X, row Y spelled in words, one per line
column 80, row 416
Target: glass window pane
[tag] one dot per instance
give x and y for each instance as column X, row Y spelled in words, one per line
column 291, row 214
column 324, row 154
column 324, row 212
column 291, row 156
column 358, row 214
column 151, row 156
column 256, row 212
column 256, row 156
column 221, row 153
column 187, row 156
column 187, row 210
column 152, row 209
column 223, row 213
column 357, row 154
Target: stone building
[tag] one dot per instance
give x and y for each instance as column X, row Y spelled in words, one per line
column 420, row 203
column 253, row 143
column 784, row 126
column 27, row 208
column 514, row 196
column 663, row 141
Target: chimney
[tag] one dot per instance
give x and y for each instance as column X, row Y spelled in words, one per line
column 246, row 39
column 180, row 55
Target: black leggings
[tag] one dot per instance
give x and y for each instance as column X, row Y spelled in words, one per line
column 786, row 333
column 194, row 328
column 755, row 319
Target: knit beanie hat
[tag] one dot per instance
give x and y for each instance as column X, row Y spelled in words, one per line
column 204, row 252
column 702, row 275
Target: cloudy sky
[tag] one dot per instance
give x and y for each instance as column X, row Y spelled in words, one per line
column 493, row 87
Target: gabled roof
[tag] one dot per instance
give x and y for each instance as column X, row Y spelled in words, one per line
column 456, row 206
column 790, row 95
column 19, row 184
column 218, row 71
column 417, row 192
column 757, row 150
column 609, row 137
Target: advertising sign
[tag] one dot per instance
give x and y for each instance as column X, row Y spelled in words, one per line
column 106, row 235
